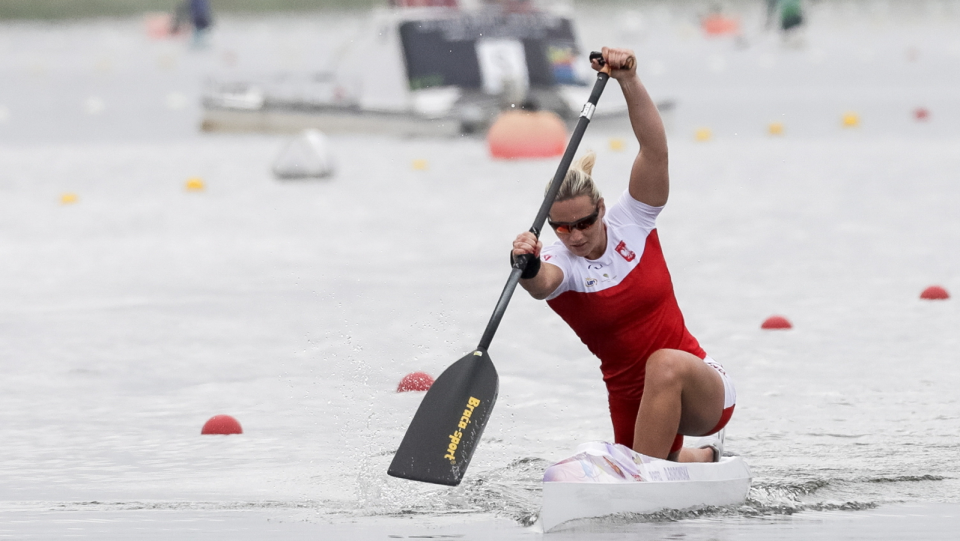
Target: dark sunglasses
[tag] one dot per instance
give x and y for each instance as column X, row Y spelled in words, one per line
column 581, row 224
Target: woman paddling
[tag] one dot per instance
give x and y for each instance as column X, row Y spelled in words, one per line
column 606, row 277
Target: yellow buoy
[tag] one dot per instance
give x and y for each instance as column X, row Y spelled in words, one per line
column 420, row 165
column 68, row 199
column 703, row 134
column 851, row 120
column 617, row 144
column 775, row 128
column 195, row 185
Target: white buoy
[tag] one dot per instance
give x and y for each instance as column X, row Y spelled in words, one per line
column 94, row 105
column 306, row 156
column 176, row 101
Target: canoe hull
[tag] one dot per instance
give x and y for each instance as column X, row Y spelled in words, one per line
column 595, row 483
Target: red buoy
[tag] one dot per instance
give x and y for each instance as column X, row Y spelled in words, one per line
column 935, row 293
column 222, row 424
column 921, row 114
column 415, row 381
column 776, row 322
column 520, row 134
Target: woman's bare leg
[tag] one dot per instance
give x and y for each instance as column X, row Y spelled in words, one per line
column 681, row 395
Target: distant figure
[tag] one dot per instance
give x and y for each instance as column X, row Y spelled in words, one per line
column 791, row 14
column 196, row 13
column 200, row 14
column 771, row 11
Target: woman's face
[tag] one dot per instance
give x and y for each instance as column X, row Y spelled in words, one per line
column 572, row 217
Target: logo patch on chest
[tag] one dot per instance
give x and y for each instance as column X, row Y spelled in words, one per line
column 625, row 252
column 590, row 282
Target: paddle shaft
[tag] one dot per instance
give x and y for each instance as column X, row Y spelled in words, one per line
column 585, row 115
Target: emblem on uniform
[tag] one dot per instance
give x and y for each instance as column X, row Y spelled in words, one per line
column 625, row 252
column 590, row 282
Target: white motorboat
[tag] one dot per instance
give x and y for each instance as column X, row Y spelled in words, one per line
column 438, row 71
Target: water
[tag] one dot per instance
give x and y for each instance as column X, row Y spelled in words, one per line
column 132, row 316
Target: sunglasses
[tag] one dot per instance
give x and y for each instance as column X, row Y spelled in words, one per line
column 581, row 224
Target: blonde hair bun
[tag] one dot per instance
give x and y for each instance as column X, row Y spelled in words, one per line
column 578, row 180
column 586, row 163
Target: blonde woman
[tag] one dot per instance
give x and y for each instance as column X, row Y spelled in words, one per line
column 607, row 278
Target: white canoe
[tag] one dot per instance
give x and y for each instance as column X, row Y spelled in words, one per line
column 605, row 479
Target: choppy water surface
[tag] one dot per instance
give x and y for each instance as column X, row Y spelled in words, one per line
column 133, row 315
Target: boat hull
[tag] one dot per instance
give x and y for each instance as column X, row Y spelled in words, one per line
column 329, row 121
column 597, row 482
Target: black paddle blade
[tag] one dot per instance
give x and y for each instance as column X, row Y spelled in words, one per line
column 446, row 429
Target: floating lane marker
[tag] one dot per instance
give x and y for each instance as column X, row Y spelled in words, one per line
column 222, row 425
column 617, row 144
column 94, row 105
column 850, row 120
column 420, row 165
column 775, row 128
column 776, row 323
column 521, row 134
column 195, row 185
column 415, row 381
column 68, row 199
column 935, row 293
column 175, row 101
column 703, row 134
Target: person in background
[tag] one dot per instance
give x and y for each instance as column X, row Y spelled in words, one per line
column 201, row 18
column 197, row 14
column 789, row 13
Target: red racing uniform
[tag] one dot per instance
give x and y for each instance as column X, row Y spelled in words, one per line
column 622, row 306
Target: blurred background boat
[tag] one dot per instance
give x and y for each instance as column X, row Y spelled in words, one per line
column 428, row 67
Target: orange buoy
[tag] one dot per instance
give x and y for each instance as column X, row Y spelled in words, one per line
column 935, row 293
column 521, row 134
column 718, row 25
column 776, row 322
column 415, row 381
column 222, row 424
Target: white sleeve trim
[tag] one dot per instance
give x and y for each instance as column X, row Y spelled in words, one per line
column 559, row 260
column 640, row 213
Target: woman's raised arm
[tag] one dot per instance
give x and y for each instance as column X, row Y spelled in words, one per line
column 649, row 178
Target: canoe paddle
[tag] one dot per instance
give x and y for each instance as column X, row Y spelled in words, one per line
column 446, row 429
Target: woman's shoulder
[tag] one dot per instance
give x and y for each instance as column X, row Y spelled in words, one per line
column 629, row 211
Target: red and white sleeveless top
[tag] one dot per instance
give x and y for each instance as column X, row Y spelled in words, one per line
column 622, row 306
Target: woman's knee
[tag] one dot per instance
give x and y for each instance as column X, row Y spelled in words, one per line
column 666, row 368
